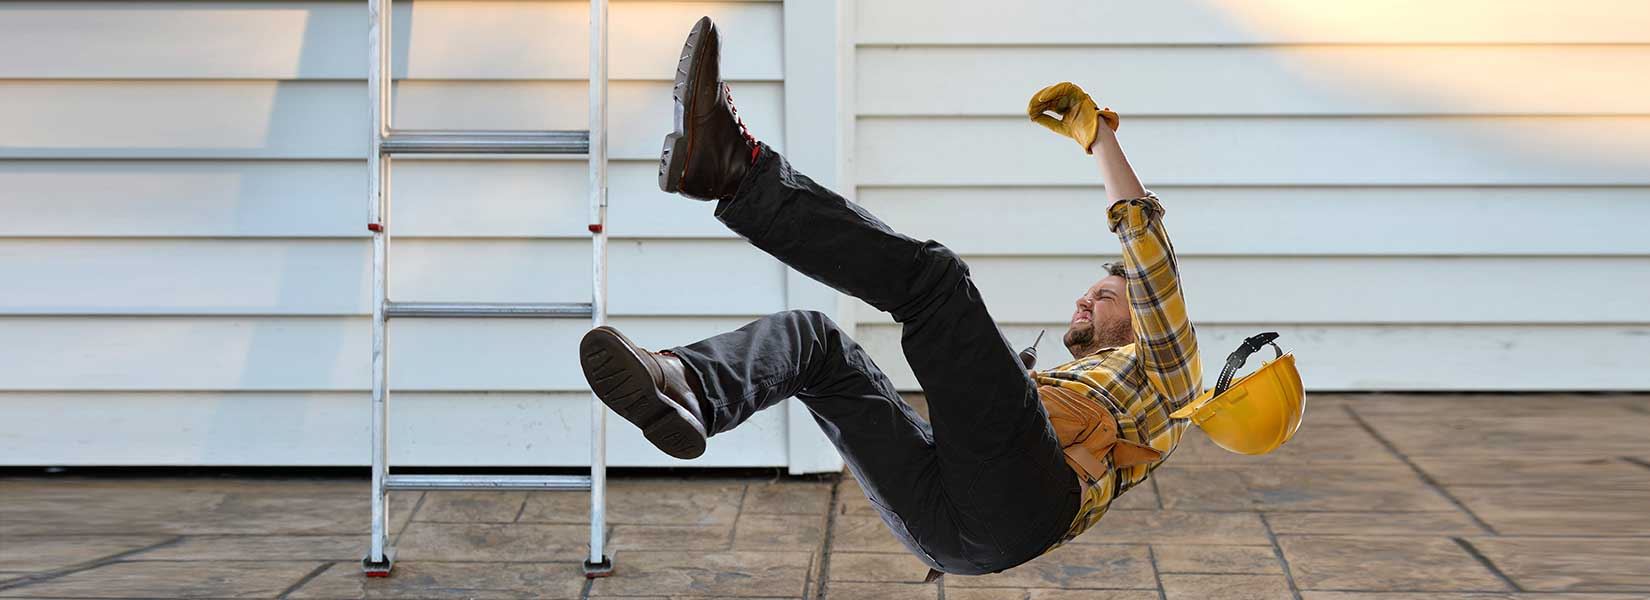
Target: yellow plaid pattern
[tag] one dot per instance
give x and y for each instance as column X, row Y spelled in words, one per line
column 1143, row 382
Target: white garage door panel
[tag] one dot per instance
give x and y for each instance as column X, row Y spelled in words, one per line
column 294, row 277
column 327, row 40
column 454, row 198
column 331, row 429
column 1270, row 80
column 1340, row 290
column 312, row 353
column 1265, row 151
column 1250, row 21
column 1361, row 357
column 1282, row 220
column 323, row 119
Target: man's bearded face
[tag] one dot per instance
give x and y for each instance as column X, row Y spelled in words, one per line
column 1101, row 318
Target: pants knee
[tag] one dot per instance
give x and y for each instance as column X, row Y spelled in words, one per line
column 942, row 260
column 814, row 318
column 939, row 276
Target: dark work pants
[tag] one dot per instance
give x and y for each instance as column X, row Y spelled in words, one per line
column 985, row 487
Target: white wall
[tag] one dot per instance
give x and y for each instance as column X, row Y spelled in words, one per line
column 182, row 211
column 1418, row 195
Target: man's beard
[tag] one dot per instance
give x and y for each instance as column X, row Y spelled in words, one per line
column 1085, row 340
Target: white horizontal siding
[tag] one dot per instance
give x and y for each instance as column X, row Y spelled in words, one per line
column 1340, row 290
column 460, row 39
column 1283, row 220
column 237, row 199
column 333, row 277
column 1262, row 80
column 182, row 211
column 1416, row 194
column 1217, row 22
column 322, row 119
column 1385, row 357
column 332, row 429
column 161, row 353
column 1536, row 150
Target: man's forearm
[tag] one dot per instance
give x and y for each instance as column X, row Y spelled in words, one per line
column 1120, row 180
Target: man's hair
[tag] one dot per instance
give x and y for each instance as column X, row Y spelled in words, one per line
column 1114, row 268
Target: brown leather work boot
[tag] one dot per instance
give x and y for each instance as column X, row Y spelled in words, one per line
column 710, row 151
column 649, row 389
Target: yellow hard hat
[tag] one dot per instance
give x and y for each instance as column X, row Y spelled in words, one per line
column 1256, row 413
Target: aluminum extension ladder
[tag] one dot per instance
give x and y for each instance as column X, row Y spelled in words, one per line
column 388, row 142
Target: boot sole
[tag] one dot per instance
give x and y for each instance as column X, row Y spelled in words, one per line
column 613, row 366
column 676, row 143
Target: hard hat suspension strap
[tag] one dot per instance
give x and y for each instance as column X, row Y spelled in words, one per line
column 1235, row 360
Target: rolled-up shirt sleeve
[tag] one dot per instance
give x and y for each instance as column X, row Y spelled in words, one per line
column 1164, row 338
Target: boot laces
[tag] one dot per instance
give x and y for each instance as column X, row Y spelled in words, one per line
column 728, row 92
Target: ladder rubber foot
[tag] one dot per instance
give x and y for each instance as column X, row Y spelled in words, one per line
column 601, row 569
column 378, row 569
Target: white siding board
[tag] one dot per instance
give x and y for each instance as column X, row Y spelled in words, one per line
column 547, row 198
column 1339, row 290
column 1315, row 221
column 655, row 278
column 332, row 277
column 332, row 429
column 1052, row 22
column 322, row 119
column 433, row 198
column 1366, row 357
column 1269, row 80
column 1266, row 151
column 464, row 39
column 311, row 353
column 196, row 198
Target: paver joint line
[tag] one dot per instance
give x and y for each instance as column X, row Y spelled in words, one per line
column 410, row 517
column 34, row 578
column 1157, row 573
column 1277, row 550
column 523, row 508
column 313, row 573
column 589, row 582
column 825, row 545
column 1425, row 478
column 1484, row 560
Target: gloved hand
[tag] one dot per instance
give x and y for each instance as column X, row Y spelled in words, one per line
column 1079, row 117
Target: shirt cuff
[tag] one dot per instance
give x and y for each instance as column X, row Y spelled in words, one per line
column 1134, row 214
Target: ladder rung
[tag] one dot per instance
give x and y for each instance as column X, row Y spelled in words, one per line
column 487, row 482
column 487, row 142
column 544, row 310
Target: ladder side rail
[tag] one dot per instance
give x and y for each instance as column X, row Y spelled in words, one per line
column 597, row 563
column 378, row 184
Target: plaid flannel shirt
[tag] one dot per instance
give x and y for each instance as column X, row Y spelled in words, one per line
column 1143, row 382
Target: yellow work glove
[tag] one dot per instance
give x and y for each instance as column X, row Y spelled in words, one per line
column 1079, row 117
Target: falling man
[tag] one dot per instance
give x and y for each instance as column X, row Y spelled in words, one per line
column 1013, row 463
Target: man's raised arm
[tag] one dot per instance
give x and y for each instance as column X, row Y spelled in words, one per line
column 1163, row 333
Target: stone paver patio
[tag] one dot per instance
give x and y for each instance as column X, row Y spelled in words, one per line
column 1381, row 497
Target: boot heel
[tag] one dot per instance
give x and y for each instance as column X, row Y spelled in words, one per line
column 670, row 173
